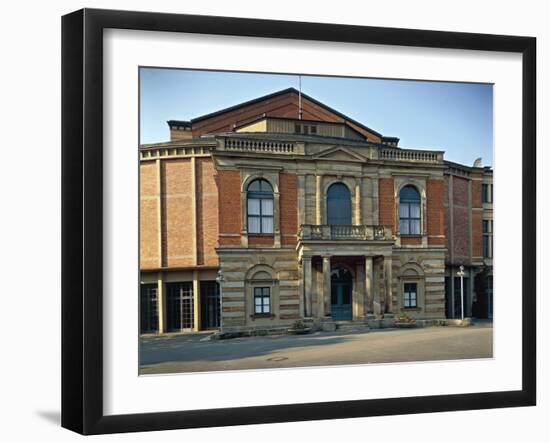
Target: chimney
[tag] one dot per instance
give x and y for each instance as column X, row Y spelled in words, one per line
column 390, row 141
column 180, row 130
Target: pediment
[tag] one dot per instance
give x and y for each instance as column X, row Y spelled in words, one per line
column 339, row 153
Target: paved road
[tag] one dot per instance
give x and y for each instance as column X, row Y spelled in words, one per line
column 193, row 353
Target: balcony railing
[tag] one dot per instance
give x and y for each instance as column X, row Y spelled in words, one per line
column 266, row 146
column 345, row 232
column 410, row 155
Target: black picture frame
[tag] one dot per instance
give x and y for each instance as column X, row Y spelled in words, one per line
column 82, row 216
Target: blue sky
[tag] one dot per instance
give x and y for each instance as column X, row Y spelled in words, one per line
column 453, row 117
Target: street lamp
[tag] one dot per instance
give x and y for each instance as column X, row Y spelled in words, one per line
column 220, row 279
column 461, row 275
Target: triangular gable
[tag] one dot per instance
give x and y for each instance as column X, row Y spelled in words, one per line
column 340, row 153
column 283, row 104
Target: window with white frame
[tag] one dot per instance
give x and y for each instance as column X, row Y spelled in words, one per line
column 488, row 238
column 410, row 298
column 487, row 193
column 259, row 198
column 262, row 300
column 409, row 211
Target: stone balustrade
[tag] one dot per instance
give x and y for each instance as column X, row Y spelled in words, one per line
column 409, row 155
column 345, row 232
column 250, row 145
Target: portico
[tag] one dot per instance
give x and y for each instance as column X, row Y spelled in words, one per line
column 347, row 272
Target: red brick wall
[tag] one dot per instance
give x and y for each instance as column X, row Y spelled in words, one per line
column 260, row 240
column 448, row 232
column 477, row 234
column 177, row 212
column 477, row 216
column 148, row 219
column 460, row 191
column 180, row 134
column 386, row 202
column 229, row 207
column 460, row 219
column 288, row 203
column 207, row 213
column 416, row 240
column 435, row 196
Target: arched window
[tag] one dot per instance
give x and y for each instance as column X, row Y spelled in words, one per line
column 409, row 211
column 259, row 198
column 338, row 205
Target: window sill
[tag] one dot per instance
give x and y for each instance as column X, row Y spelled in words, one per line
column 415, row 309
column 260, row 316
column 411, row 235
column 251, row 234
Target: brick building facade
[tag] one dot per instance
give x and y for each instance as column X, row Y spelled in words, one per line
column 307, row 215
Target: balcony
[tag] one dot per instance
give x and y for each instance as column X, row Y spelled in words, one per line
column 345, row 232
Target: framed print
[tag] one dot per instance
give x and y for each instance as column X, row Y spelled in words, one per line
column 269, row 221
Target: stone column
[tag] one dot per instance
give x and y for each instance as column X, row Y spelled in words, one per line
column 160, row 301
column 306, row 263
column 196, row 301
column 373, row 293
column 389, row 286
column 359, row 293
column 357, row 217
column 301, row 200
column 276, row 223
column 324, row 305
column 318, row 200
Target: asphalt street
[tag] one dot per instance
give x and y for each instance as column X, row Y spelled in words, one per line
column 194, row 353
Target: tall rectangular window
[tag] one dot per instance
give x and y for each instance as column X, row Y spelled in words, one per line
column 210, row 304
column 409, row 295
column 487, row 193
column 488, row 238
column 260, row 207
column 262, row 300
column 149, row 320
column 409, row 211
column 179, row 306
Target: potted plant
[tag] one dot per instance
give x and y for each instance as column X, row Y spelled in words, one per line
column 299, row 327
column 405, row 321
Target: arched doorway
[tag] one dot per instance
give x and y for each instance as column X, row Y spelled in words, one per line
column 338, row 205
column 341, row 284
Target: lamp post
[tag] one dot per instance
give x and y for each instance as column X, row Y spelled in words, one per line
column 461, row 275
column 220, row 279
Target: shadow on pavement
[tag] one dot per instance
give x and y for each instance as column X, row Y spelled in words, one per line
column 184, row 349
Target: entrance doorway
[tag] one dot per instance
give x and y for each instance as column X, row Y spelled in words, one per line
column 341, row 286
column 210, row 305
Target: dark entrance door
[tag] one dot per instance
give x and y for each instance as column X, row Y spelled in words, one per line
column 210, row 305
column 179, row 306
column 341, row 287
column 149, row 309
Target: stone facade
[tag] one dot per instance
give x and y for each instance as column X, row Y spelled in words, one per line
column 199, row 222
